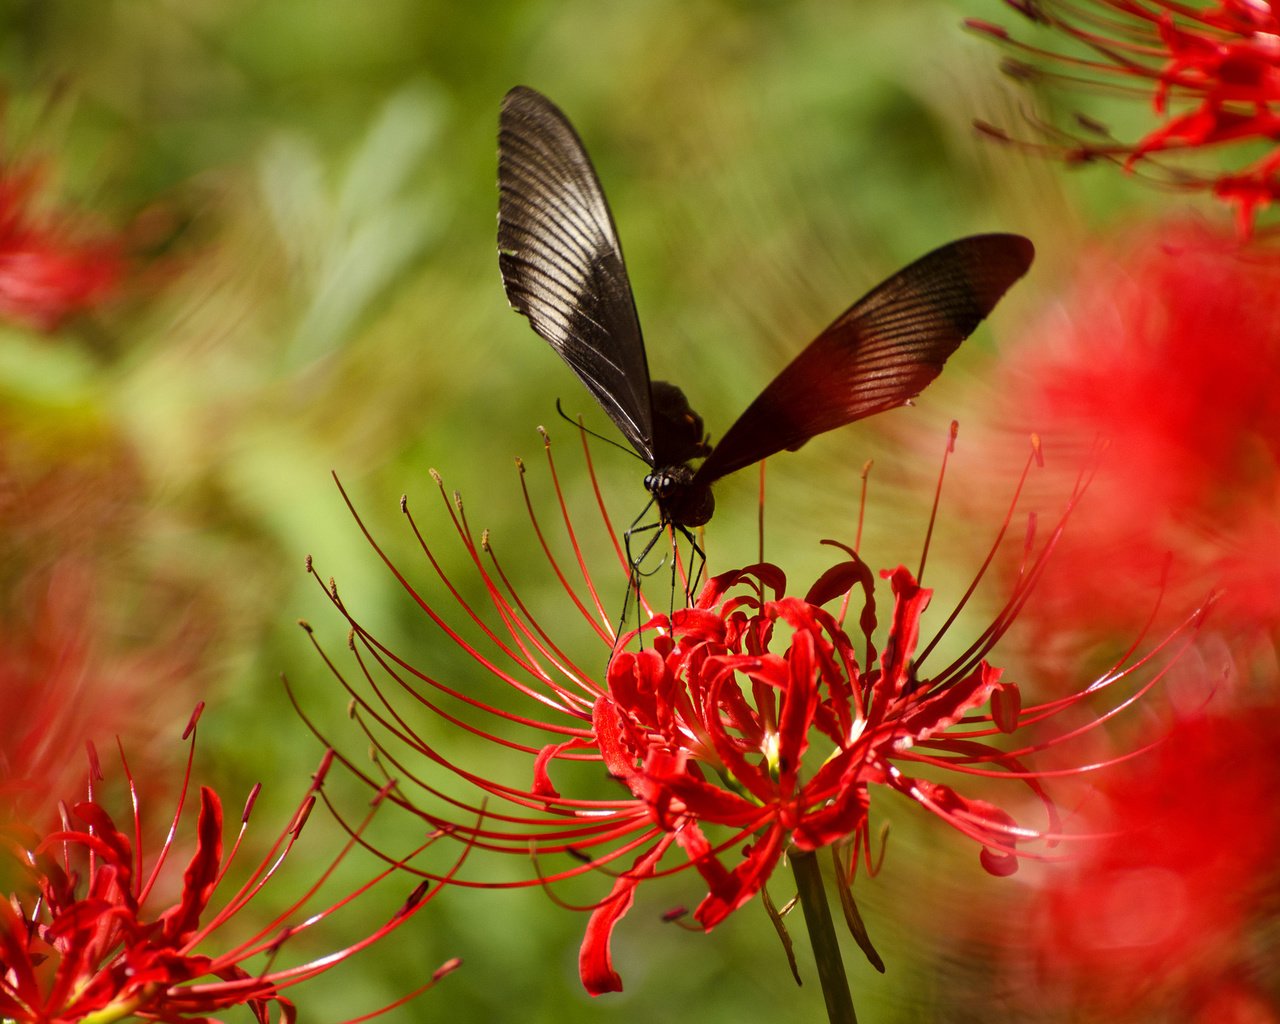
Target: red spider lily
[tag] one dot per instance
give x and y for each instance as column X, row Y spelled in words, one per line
column 1212, row 71
column 46, row 274
column 1168, row 348
column 82, row 938
column 1158, row 916
column 746, row 726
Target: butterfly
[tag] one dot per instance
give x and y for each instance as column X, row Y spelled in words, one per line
column 562, row 268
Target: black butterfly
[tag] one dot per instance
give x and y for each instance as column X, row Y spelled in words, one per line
column 562, row 268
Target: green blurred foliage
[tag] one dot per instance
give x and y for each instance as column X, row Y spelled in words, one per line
column 308, row 194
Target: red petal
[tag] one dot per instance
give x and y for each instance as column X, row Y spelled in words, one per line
column 836, row 582
column 595, row 958
column 909, row 603
column 542, row 785
column 608, row 731
column 942, row 710
column 1006, row 706
column 735, row 889
column 201, row 876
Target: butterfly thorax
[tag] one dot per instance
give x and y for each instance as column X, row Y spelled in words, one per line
column 678, row 436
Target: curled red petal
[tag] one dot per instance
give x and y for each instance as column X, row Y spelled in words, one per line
column 201, row 876
column 732, row 889
column 944, row 709
column 837, row 581
column 595, row 958
column 909, row 602
column 542, row 784
column 607, row 727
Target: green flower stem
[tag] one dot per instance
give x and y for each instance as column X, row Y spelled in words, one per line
column 822, row 936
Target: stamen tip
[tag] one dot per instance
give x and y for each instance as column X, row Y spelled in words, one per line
column 249, row 802
column 985, row 28
column 304, row 813
column 1019, row 70
column 191, row 722
column 326, row 762
column 991, row 131
column 306, row 626
column 1037, row 451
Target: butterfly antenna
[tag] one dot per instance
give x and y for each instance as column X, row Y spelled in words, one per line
column 599, row 437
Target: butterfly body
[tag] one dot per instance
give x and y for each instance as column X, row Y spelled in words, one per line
column 562, row 269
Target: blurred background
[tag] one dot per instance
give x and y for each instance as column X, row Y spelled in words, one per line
column 275, row 227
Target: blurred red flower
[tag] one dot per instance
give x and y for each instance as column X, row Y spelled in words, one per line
column 1211, row 70
column 1167, row 349
column 47, row 273
column 53, row 696
column 82, row 939
column 1171, row 903
column 743, row 726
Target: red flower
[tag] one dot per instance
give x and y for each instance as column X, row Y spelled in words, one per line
column 1167, row 349
column 709, row 727
column 746, row 725
column 1211, row 70
column 46, row 274
column 1170, row 906
column 82, row 938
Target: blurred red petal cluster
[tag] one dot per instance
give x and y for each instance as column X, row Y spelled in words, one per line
column 1154, row 374
column 1164, row 352
column 48, row 270
column 1169, row 909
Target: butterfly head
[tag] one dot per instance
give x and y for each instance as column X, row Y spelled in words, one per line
column 680, row 499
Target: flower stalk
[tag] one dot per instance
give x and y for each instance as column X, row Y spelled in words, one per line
column 822, row 937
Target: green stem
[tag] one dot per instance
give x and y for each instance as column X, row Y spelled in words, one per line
column 822, row 936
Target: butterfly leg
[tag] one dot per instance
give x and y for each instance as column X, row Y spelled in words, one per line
column 634, row 572
column 697, row 557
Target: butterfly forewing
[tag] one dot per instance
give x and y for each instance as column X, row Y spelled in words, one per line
column 561, row 262
column 880, row 353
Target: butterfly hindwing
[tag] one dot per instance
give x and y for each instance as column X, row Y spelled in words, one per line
column 880, row 353
column 562, row 264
